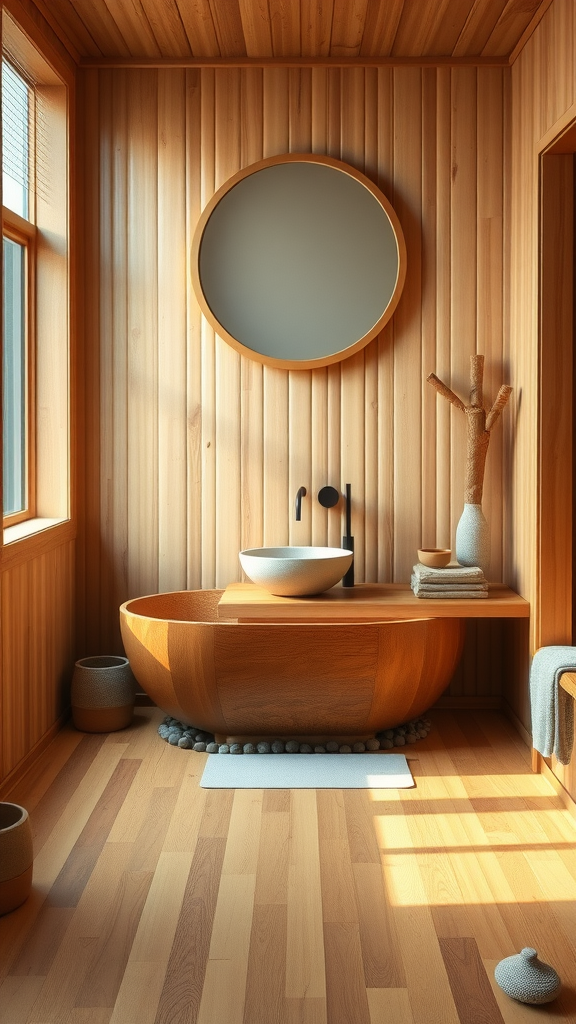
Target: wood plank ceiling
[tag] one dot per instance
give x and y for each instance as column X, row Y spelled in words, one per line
column 277, row 29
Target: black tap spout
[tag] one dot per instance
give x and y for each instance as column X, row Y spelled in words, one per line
column 301, row 494
column 348, row 539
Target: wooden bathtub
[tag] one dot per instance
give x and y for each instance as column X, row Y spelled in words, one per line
column 320, row 680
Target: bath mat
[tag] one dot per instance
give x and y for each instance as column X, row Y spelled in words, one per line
column 307, row 771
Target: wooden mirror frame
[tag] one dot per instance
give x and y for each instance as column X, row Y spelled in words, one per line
column 324, row 360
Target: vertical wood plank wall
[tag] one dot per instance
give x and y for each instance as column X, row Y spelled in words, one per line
column 193, row 452
column 543, row 102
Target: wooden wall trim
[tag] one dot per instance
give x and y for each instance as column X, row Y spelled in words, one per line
column 291, row 62
column 552, row 139
column 530, row 29
column 520, row 728
column 35, row 26
column 553, row 606
column 8, row 784
column 28, row 548
column 566, row 799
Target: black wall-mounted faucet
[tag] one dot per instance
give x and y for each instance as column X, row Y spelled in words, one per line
column 328, row 498
column 348, row 539
column 301, row 494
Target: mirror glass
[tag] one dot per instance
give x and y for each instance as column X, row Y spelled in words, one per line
column 299, row 261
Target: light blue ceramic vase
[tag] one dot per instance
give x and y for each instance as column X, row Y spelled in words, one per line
column 473, row 538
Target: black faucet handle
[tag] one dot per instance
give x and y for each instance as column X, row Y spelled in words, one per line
column 328, row 497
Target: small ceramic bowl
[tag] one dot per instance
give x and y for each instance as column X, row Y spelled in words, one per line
column 435, row 558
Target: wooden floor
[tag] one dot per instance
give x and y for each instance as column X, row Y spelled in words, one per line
column 157, row 902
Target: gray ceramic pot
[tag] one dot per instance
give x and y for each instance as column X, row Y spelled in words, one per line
column 102, row 694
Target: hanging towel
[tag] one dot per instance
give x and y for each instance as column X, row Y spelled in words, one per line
column 451, row 574
column 552, row 708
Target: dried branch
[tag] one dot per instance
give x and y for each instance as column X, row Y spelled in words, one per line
column 501, row 399
column 445, row 391
column 476, row 378
column 479, row 424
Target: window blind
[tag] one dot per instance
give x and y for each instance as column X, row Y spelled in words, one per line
column 15, row 138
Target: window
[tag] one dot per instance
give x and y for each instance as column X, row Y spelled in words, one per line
column 36, row 357
column 18, row 297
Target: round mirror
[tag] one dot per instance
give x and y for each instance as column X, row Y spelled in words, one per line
column 298, row 261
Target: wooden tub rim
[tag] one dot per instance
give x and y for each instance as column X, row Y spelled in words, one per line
column 315, row 623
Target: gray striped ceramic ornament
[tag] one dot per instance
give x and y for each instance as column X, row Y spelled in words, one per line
column 524, row 977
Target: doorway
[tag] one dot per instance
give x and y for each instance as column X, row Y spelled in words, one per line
column 555, row 612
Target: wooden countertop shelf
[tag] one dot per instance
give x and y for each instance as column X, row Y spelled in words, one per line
column 365, row 602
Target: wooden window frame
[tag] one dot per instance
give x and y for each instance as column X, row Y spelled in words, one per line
column 50, row 211
column 22, row 231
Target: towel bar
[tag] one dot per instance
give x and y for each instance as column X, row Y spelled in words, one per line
column 568, row 683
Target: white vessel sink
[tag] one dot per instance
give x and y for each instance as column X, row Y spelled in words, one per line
column 295, row 572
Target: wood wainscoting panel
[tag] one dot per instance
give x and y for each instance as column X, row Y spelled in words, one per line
column 38, row 632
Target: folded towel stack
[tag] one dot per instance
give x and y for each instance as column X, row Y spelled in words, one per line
column 455, row 581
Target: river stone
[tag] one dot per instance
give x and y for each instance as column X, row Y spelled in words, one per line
column 190, row 736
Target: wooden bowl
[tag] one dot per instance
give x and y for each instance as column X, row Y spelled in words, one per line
column 435, row 558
